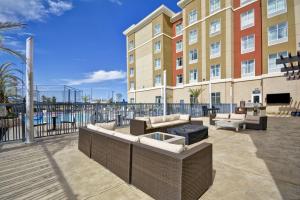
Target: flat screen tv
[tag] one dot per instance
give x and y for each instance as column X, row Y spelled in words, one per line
column 280, row 98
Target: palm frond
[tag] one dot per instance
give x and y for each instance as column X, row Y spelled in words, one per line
column 12, row 52
column 10, row 25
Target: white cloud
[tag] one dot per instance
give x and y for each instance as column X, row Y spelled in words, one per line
column 99, row 76
column 32, row 10
column 119, row 2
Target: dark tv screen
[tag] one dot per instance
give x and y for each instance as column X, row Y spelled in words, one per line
column 283, row 98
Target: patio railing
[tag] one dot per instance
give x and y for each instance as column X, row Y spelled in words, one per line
column 63, row 118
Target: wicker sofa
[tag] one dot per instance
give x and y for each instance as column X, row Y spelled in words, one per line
column 256, row 122
column 170, row 171
column 144, row 125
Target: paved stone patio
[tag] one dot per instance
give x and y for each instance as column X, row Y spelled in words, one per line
column 247, row 165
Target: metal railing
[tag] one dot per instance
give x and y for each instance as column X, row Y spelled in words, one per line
column 63, row 118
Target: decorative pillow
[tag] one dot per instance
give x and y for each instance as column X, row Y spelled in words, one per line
column 184, row 117
column 237, row 116
column 128, row 137
column 146, row 119
column 100, row 129
column 222, row 116
column 155, row 120
column 108, row 125
column 175, row 148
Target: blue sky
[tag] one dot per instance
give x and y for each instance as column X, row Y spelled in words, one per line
column 77, row 42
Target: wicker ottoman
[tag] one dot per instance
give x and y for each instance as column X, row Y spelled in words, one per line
column 192, row 133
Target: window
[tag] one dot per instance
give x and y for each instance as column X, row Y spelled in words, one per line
column 157, row 29
column 178, row 29
column 194, row 76
column 157, row 47
column 215, row 27
column 247, row 19
column 179, row 63
column 131, row 45
column 276, row 7
column 131, row 85
column 215, row 72
column 131, row 72
column 179, row 46
column 193, row 36
column 131, row 100
column 157, row 80
column 215, row 98
column 157, row 63
column 193, row 55
column 214, row 6
column 272, row 62
column 179, row 79
column 131, row 58
column 215, row 50
column 193, row 16
column 247, row 44
column 248, row 67
column 244, row 2
column 278, row 33
column 158, row 99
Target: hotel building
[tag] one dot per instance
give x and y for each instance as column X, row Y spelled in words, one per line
column 228, row 48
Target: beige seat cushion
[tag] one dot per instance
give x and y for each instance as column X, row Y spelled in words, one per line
column 128, row 137
column 146, row 119
column 164, row 124
column 157, row 119
column 252, row 119
column 184, row 117
column 234, row 116
column 175, row 148
column 108, row 125
column 222, row 116
column 100, row 129
column 169, row 118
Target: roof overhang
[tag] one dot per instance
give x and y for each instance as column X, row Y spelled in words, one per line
column 183, row 3
column 149, row 18
column 176, row 17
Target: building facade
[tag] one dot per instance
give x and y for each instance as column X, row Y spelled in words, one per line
column 227, row 48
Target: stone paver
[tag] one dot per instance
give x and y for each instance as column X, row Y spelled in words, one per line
column 247, row 165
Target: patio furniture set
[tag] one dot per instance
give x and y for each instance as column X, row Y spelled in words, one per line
column 237, row 121
column 155, row 160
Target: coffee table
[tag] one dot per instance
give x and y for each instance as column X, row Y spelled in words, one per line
column 165, row 137
column 193, row 133
column 236, row 124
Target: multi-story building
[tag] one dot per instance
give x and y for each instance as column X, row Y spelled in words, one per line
column 228, row 48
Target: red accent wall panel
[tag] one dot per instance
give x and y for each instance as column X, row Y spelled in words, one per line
column 238, row 34
column 174, row 54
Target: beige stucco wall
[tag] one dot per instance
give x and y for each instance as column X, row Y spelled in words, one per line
column 147, row 96
column 297, row 23
column 281, row 85
column 242, row 91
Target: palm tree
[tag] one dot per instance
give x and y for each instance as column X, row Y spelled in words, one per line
column 85, row 99
column 195, row 93
column 8, row 80
column 5, row 26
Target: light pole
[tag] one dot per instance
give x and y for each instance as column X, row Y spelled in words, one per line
column 29, row 134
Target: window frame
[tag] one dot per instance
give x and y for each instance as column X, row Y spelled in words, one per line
column 213, row 68
column 156, row 29
column 181, row 29
column 131, row 70
column 179, row 77
column 213, row 9
column 179, row 66
column 252, row 74
column 195, row 36
column 155, row 45
column 247, row 50
column 193, row 73
column 212, row 56
column 281, row 40
column 276, row 69
column 155, row 79
column 245, row 26
column 192, row 52
column 181, row 46
column 131, row 45
column 210, row 27
column 156, row 61
column 195, row 18
column 276, row 12
column 214, row 96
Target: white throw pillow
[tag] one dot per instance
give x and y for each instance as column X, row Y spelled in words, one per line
column 108, row 125
column 128, row 137
column 175, row 148
column 99, row 129
column 184, row 117
column 155, row 120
